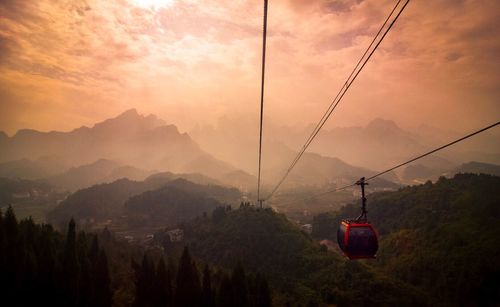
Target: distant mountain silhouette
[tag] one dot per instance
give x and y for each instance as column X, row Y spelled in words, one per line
column 231, row 140
column 417, row 173
column 479, row 168
column 193, row 177
column 377, row 145
column 100, row 171
column 3, row 138
column 33, row 169
column 382, row 143
column 144, row 142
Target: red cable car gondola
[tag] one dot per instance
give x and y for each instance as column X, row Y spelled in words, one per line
column 357, row 238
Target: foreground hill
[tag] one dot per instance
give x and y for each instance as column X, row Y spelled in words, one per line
column 163, row 198
column 443, row 238
column 301, row 270
column 168, row 205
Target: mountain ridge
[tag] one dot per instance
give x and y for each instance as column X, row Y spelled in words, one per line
column 130, row 138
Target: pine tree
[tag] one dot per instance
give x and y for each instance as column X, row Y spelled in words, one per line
column 144, row 278
column 239, row 286
column 162, row 285
column 70, row 270
column 84, row 282
column 219, row 214
column 12, row 259
column 94, row 250
column 27, row 278
column 188, row 283
column 225, row 297
column 264, row 297
column 10, row 228
column 102, row 283
column 47, row 265
column 207, row 295
column 2, row 251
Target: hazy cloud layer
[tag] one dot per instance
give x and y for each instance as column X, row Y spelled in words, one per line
column 68, row 63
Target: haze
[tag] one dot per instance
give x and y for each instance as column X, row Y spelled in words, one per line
column 64, row 64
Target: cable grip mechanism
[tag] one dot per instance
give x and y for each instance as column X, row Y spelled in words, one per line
column 361, row 182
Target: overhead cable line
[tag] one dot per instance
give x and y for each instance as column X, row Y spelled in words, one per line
column 345, row 87
column 402, row 164
column 264, row 36
column 433, row 151
column 348, row 78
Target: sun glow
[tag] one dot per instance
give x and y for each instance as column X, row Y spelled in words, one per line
column 154, row 4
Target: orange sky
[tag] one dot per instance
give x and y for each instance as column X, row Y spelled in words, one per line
column 69, row 63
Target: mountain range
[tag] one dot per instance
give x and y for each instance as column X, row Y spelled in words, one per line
column 378, row 145
column 135, row 146
column 142, row 141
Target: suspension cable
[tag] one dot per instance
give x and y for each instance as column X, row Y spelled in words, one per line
column 264, row 36
column 345, row 87
column 401, row 164
column 433, row 151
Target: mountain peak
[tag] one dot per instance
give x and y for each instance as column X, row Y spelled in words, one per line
column 129, row 113
column 130, row 120
column 380, row 123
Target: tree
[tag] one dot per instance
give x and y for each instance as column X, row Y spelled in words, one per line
column 239, row 286
column 144, row 278
column 264, row 296
column 2, row 253
column 85, row 293
column 162, row 285
column 70, row 270
column 47, row 262
column 218, row 214
column 86, row 287
column 10, row 227
column 188, row 283
column 225, row 297
column 103, row 296
column 94, row 250
column 207, row 295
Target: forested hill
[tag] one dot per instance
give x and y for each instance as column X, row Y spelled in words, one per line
column 168, row 205
column 301, row 271
column 40, row 266
column 443, row 238
column 106, row 201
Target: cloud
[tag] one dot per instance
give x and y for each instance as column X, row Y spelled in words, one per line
column 97, row 58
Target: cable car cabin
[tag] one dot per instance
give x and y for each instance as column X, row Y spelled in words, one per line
column 357, row 239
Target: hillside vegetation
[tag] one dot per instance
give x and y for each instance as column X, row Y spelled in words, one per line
column 40, row 266
column 160, row 200
column 298, row 268
column 443, row 238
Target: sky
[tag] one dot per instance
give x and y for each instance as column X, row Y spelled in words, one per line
column 68, row 63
